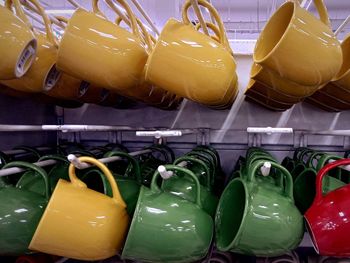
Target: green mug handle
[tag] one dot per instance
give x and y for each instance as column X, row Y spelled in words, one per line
column 209, row 152
column 160, row 150
column 325, row 159
column 170, row 167
column 55, row 157
column 212, row 166
column 260, row 157
column 303, row 154
column 133, row 163
column 28, row 150
column 288, row 189
column 195, row 160
column 298, row 151
column 35, row 168
column 312, row 157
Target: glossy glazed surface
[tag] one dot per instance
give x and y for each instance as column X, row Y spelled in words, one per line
column 35, row 80
column 20, row 212
column 328, row 217
column 100, row 52
column 258, row 218
column 183, row 186
column 172, row 219
column 95, row 225
column 15, row 39
column 191, row 64
column 289, row 91
column 298, row 46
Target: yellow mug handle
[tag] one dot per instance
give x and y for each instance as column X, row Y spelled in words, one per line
column 76, row 181
column 321, row 9
column 132, row 18
column 62, row 19
column 215, row 15
column 214, row 28
column 39, row 10
column 146, row 37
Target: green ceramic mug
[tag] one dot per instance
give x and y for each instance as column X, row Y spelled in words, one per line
column 20, row 212
column 305, row 184
column 205, row 177
column 167, row 228
column 31, row 180
column 288, row 163
column 129, row 181
column 183, row 186
column 258, row 219
column 337, row 173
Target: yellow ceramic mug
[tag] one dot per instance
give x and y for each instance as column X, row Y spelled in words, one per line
column 289, row 91
column 42, row 75
column 80, row 223
column 231, row 96
column 144, row 91
column 339, row 87
column 100, row 52
column 17, row 45
column 298, row 46
column 256, row 92
column 191, row 64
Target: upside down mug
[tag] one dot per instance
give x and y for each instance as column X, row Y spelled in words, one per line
column 80, row 223
column 191, row 64
column 258, row 218
column 17, row 45
column 42, row 75
column 172, row 218
column 298, row 46
column 20, row 212
column 327, row 218
column 102, row 53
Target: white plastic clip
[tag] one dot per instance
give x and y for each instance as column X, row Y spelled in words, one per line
column 265, row 169
column 75, row 161
column 159, row 134
column 164, row 173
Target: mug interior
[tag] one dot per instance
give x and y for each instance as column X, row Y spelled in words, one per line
column 51, row 78
column 273, row 32
column 26, row 59
column 230, row 214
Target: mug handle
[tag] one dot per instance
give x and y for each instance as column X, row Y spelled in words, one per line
column 214, row 13
column 62, row 19
column 303, row 154
column 214, row 28
column 195, row 160
column 131, row 16
column 40, row 11
column 155, row 188
column 35, row 168
column 53, row 157
column 288, row 189
column 322, row 173
column 28, row 150
column 312, row 157
column 77, row 182
column 134, row 163
column 325, row 159
column 321, row 9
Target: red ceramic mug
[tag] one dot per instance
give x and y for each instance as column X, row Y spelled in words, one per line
column 328, row 218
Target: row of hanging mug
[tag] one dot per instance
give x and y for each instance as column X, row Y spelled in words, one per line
column 298, row 57
column 312, row 183
column 95, row 53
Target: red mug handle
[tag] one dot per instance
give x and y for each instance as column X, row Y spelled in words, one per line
column 325, row 169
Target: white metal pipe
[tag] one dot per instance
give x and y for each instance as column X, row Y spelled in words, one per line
column 14, row 170
column 342, row 25
column 269, row 130
column 145, row 15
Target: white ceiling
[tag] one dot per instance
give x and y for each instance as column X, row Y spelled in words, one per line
column 243, row 19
